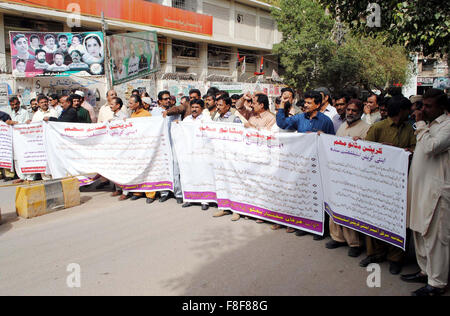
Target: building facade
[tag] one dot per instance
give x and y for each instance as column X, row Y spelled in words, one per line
column 199, row 41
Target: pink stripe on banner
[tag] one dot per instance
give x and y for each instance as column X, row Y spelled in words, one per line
column 290, row 220
column 88, row 180
column 150, row 186
column 200, row 196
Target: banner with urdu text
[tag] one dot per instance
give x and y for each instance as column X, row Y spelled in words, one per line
column 6, row 146
column 274, row 177
column 365, row 186
column 135, row 153
column 29, row 149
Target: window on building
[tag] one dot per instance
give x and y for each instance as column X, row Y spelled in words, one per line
column 428, row 64
column 189, row 5
column 219, row 56
column 184, row 49
column 250, row 56
column 162, row 46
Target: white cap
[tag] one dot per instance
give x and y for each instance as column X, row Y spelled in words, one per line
column 80, row 93
column 147, row 100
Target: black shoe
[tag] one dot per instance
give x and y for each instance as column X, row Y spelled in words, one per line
column 300, row 233
column 102, row 185
column 205, row 207
column 355, row 252
column 164, row 198
column 395, row 267
column 333, row 244
column 417, row 277
column 428, row 290
column 135, row 197
column 150, row 201
column 370, row 259
column 317, row 237
column 179, row 200
column 187, row 204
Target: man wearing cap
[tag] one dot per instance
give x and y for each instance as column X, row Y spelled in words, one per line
column 85, row 105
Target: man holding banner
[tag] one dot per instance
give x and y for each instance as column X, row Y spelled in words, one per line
column 429, row 194
column 394, row 131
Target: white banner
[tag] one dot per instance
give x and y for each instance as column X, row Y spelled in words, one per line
column 135, row 153
column 29, row 150
column 274, row 177
column 196, row 162
column 6, row 146
column 364, row 186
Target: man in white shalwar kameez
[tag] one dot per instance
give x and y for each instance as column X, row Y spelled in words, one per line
column 429, row 195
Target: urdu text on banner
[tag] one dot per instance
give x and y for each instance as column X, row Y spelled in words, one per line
column 135, row 153
column 274, row 177
column 365, row 186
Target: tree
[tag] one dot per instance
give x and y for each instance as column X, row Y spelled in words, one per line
column 306, row 43
column 419, row 25
column 317, row 51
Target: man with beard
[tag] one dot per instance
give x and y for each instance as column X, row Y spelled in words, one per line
column 353, row 127
column 58, row 65
column 41, row 60
column 211, row 107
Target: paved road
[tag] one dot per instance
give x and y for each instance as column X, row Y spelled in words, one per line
column 130, row 248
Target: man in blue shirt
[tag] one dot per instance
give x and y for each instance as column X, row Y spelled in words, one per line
column 310, row 121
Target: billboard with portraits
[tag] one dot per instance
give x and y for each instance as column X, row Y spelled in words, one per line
column 57, row 54
column 133, row 55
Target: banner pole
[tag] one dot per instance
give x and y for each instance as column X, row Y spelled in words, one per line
column 107, row 60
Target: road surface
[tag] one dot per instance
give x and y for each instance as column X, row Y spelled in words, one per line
column 131, row 248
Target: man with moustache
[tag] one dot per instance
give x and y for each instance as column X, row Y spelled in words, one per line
column 184, row 109
column 197, row 116
column 106, row 113
column 44, row 110
column 69, row 113
column 258, row 116
column 429, row 194
column 352, row 127
column 341, row 105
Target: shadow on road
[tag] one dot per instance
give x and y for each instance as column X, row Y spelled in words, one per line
column 6, row 222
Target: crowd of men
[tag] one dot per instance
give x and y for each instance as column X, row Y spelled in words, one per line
column 420, row 125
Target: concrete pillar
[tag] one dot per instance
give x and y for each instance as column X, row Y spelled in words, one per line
column 258, row 26
column 203, row 54
column 200, row 6
column 235, row 72
column 3, row 62
column 232, row 18
column 169, row 64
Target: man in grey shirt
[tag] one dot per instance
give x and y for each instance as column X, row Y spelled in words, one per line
column 223, row 111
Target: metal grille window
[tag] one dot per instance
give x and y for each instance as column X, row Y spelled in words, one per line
column 189, row 5
column 184, row 49
column 250, row 56
column 219, row 56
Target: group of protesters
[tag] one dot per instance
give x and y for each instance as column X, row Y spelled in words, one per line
column 420, row 125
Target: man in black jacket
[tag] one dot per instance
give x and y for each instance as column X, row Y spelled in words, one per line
column 69, row 114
